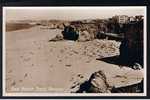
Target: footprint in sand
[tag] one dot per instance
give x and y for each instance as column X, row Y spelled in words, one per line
column 39, row 48
column 70, row 54
column 21, row 56
column 20, row 81
column 85, row 47
column 60, row 60
column 51, row 50
column 8, row 79
column 61, row 51
column 10, row 71
column 34, row 42
column 68, row 65
column 51, row 66
column 57, row 56
column 13, row 84
column 25, row 75
column 88, row 61
column 84, row 53
column 66, row 57
column 27, row 59
column 31, row 53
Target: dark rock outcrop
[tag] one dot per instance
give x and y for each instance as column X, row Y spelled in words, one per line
column 84, row 36
column 131, row 48
column 135, row 88
column 69, row 33
column 98, row 83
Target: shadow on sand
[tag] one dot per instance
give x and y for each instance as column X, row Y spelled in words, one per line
column 87, row 87
column 114, row 60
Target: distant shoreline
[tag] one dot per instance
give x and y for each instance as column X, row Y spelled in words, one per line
column 17, row 26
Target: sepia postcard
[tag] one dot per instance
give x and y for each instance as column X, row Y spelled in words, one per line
column 74, row 51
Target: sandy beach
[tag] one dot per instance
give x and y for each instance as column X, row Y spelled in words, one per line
column 35, row 64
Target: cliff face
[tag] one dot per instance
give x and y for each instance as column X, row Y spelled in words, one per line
column 132, row 45
column 131, row 35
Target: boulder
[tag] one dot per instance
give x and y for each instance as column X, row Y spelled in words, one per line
column 58, row 37
column 69, row 33
column 84, row 36
column 127, row 81
column 99, row 83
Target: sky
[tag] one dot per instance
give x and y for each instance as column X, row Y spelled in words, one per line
column 68, row 13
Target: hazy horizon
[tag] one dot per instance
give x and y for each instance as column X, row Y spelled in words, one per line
column 68, row 13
